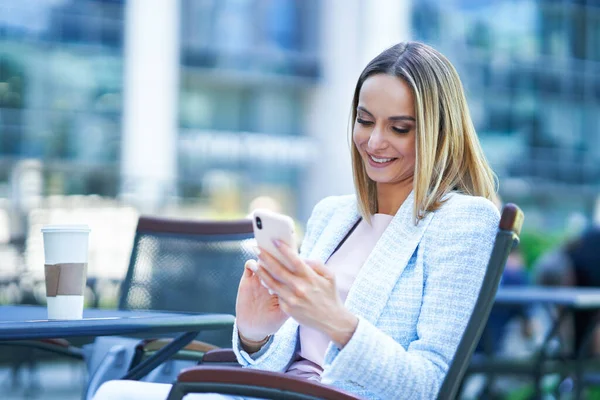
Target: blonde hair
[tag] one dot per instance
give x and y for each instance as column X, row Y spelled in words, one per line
column 448, row 154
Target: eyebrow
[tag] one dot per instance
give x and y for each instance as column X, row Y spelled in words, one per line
column 394, row 118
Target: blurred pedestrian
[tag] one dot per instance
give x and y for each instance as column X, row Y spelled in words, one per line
column 584, row 254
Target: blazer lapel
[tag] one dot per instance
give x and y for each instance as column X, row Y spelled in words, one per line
column 382, row 269
column 336, row 229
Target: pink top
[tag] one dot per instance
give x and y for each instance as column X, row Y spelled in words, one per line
column 345, row 263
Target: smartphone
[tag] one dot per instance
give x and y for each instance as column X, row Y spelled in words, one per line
column 268, row 226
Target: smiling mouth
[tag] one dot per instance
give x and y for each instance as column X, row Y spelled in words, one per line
column 378, row 160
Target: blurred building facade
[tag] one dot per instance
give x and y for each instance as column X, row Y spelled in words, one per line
column 532, row 73
column 244, row 68
column 60, row 92
column 262, row 99
column 263, row 92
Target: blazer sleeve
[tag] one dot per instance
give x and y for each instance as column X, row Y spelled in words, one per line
column 278, row 352
column 455, row 251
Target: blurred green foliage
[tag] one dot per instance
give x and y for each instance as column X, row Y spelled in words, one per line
column 535, row 243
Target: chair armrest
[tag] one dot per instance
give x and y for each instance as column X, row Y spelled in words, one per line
column 219, row 356
column 198, row 346
column 57, row 346
column 64, row 343
column 195, row 350
column 251, row 382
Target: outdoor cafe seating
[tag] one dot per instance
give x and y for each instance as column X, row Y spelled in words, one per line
column 175, row 266
column 165, row 274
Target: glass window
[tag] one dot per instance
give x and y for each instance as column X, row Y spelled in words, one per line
column 578, row 31
column 276, row 112
column 426, row 21
column 60, row 89
column 211, row 108
column 594, row 33
column 562, row 123
column 591, row 122
column 241, row 109
column 276, row 37
column 554, row 31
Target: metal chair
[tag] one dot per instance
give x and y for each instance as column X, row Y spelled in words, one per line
column 209, row 378
column 187, row 266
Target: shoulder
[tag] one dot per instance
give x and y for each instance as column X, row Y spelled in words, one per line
column 458, row 206
column 461, row 233
column 463, row 216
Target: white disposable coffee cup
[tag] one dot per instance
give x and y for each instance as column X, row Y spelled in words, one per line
column 65, row 259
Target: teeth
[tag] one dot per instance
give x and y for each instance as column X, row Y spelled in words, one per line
column 381, row 160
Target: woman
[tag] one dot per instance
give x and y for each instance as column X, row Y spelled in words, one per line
column 387, row 278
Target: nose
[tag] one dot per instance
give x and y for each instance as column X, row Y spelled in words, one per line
column 377, row 140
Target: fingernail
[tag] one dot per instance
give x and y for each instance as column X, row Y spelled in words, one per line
column 277, row 243
column 253, row 266
column 271, row 292
column 264, row 284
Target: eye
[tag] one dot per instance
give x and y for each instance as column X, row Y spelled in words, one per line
column 364, row 122
column 400, row 130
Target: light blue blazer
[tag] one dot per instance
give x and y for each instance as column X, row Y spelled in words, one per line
column 413, row 297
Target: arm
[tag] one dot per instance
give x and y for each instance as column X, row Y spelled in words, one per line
column 277, row 353
column 454, row 252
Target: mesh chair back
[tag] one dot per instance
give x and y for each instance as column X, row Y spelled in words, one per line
column 511, row 222
column 188, row 266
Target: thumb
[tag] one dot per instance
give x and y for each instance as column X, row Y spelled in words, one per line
column 320, row 269
column 250, row 268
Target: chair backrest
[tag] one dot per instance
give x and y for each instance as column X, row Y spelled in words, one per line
column 507, row 237
column 188, row 266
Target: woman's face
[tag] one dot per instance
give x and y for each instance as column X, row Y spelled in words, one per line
column 384, row 130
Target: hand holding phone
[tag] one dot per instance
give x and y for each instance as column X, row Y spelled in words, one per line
column 269, row 226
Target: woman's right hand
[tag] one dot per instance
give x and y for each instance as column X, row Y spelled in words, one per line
column 258, row 314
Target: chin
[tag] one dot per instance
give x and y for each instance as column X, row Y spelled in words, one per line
column 379, row 178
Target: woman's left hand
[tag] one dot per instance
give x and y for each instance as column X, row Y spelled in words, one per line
column 307, row 293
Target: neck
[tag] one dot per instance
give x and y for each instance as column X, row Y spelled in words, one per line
column 391, row 196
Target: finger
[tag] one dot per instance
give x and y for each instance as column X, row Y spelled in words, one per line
column 268, row 281
column 291, row 256
column 320, row 269
column 281, row 290
column 250, row 268
column 281, row 259
column 256, row 266
column 291, row 290
column 276, row 268
column 265, row 285
column 251, row 265
column 285, row 306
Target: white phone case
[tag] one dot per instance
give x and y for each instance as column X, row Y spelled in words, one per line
column 269, row 226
